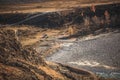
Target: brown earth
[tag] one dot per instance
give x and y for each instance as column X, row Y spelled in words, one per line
column 19, row 59
column 24, row 63
column 50, row 5
column 20, row 63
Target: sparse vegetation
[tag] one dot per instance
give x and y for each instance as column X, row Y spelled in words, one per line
column 27, row 63
column 25, row 43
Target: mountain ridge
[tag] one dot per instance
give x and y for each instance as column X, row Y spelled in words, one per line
column 18, row 1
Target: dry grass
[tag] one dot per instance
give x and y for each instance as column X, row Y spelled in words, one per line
column 52, row 72
column 34, row 34
column 26, row 60
column 38, row 36
column 10, row 70
column 52, row 5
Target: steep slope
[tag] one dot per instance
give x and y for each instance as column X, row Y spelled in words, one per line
column 19, row 63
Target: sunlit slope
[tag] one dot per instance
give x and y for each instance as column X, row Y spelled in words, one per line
column 47, row 5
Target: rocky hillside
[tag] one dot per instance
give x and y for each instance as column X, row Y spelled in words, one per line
column 20, row 63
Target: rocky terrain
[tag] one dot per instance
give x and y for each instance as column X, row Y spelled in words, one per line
column 20, row 63
column 29, row 64
column 27, row 37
